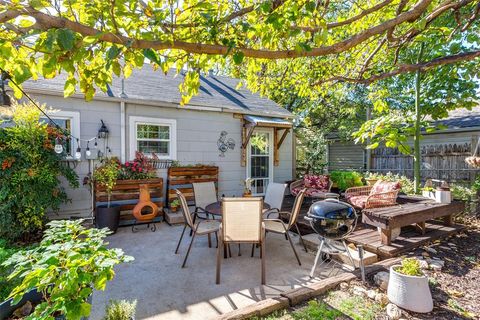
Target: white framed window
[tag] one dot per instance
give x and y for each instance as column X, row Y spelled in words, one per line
column 70, row 122
column 260, row 160
column 153, row 135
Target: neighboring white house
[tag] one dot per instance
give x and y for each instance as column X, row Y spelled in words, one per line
column 150, row 102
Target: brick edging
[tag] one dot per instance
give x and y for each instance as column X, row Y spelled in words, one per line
column 293, row 297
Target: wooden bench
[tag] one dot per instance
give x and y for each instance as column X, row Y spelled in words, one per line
column 126, row 193
column 181, row 178
column 410, row 210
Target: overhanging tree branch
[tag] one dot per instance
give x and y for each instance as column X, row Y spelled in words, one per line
column 48, row 22
column 406, row 68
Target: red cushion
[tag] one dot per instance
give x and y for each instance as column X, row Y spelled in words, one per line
column 316, row 182
column 358, row 201
column 384, row 186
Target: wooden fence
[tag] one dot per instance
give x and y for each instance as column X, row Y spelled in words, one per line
column 439, row 161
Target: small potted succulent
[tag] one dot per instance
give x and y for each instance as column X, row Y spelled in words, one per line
column 105, row 176
column 174, row 205
column 408, row 287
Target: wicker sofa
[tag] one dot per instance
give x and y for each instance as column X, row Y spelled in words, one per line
column 381, row 194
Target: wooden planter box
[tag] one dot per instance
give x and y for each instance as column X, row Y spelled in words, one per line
column 182, row 178
column 126, row 193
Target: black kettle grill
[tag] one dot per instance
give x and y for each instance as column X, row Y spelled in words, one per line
column 333, row 220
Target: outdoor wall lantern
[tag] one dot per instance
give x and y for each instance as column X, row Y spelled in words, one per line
column 103, row 131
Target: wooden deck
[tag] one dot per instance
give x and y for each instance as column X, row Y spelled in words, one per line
column 369, row 237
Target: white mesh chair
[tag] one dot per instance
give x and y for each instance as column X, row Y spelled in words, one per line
column 241, row 223
column 205, row 193
column 274, row 197
column 204, row 227
column 278, row 226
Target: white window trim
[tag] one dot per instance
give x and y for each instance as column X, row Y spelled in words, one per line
column 74, row 117
column 134, row 120
column 270, row 173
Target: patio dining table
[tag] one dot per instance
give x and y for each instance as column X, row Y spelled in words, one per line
column 216, row 208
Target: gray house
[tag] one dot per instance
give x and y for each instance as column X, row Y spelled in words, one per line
column 149, row 102
column 443, row 151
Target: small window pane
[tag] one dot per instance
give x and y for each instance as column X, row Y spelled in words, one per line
column 146, row 131
column 157, row 147
column 64, row 124
column 259, row 144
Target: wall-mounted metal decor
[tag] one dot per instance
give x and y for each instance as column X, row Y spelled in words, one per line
column 225, row 143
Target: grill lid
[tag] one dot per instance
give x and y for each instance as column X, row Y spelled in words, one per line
column 331, row 210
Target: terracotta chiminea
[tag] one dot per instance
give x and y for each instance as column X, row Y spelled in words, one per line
column 144, row 202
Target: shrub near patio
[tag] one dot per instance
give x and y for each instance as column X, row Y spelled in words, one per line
column 69, row 263
column 30, row 173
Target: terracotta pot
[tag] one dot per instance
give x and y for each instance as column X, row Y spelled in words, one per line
column 409, row 292
column 371, row 182
column 174, row 209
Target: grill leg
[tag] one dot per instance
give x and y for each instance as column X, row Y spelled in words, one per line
column 318, row 256
column 349, row 254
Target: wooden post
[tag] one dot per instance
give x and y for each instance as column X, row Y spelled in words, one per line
column 276, row 160
column 243, row 161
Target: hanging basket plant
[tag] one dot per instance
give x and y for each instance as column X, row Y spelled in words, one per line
column 474, row 160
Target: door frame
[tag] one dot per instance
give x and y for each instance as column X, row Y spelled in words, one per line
column 270, row 154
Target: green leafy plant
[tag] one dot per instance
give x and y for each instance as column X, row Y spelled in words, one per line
column 6, row 286
column 407, row 185
column 346, row 179
column 175, row 203
column 120, row 310
column 410, row 267
column 317, row 310
column 106, row 175
column 30, row 175
column 69, row 263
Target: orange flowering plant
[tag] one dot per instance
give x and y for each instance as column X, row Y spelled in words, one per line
column 30, row 173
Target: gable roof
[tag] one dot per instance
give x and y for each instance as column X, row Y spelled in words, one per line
column 462, row 118
column 151, row 85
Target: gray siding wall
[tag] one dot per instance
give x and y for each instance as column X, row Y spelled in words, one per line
column 197, row 135
column 348, row 155
column 345, row 155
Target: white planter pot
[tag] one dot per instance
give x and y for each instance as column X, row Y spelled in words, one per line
column 438, row 196
column 409, row 292
column 443, row 196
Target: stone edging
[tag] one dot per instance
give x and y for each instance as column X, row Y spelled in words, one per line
column 293, row 297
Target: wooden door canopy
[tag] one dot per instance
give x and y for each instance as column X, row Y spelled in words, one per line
column 281, row 127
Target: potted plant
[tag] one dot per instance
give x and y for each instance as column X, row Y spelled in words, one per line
column 408, row 287
column 120, row 310
column 371, row 178
column 64, row 269
column 107, row 215
column 440, row 194
column 174, row 205
column 247, row 187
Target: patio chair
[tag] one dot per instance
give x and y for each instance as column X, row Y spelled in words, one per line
column 274, row 197
column 204, row 227
column 316, row 186
column 205, row 193
column 241, row 223
column 278, row 226
column 381, row 194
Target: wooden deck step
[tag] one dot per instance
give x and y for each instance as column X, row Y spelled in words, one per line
column 409, row 239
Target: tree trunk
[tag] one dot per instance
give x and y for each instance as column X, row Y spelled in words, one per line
column 417, row 157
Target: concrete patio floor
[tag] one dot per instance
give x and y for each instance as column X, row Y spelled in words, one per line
column 164, row 290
